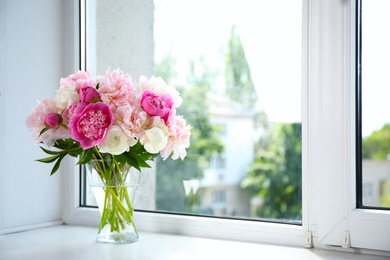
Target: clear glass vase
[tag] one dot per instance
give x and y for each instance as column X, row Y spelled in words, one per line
column 115, row 186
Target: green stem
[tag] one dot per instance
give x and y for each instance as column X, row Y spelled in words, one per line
column 64, row 126
column 101, row 157
column 128, row 201
column 114, row 211
column 105, row 210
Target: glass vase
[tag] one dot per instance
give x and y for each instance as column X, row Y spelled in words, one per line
column 115, row 186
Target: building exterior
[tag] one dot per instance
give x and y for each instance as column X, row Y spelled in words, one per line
column 376, row 173
column 220, row 188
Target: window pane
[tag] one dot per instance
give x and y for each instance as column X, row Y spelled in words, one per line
column 237, row 66
column 375, row 103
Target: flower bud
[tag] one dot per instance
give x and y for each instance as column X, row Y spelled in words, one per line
column 89, row 95
column 52, row 120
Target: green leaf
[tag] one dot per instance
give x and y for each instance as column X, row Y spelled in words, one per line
column 57, row 165
column 138, row 148
column 49, row 159
column 75, row 152
column 141, row 161
column 121, row 158
column 125, row 158
column 50, row 152
column 67, row 144
column 85, row 156
column 44, row 130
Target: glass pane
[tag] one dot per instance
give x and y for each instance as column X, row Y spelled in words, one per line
column 237, row 65
column 375, row 103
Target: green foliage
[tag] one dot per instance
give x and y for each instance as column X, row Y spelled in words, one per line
column 67, row 146
column 275, row 174
column 170, row 195
column 203, row 75
column 204, row 141
column 165, row 69
column 205, row 138
column 377, row 145
column 239, row 82
column 136, row 157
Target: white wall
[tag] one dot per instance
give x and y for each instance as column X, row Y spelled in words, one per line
column 34, row 51
column 124, row 39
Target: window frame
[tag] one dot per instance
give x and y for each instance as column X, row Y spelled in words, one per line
column 338, row 221
column 328, row 216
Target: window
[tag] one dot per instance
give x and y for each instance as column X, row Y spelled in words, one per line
column 246, row 134
column 329, row 211
column 375, row 120
column 332, row 130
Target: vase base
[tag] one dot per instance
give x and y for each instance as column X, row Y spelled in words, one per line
column 117, row 238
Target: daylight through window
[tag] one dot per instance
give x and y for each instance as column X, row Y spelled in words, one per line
column 375, row 106
column 240, row 77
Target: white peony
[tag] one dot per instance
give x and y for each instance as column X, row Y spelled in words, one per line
column 163, row 127
column 116, row 141
column 154, row 140
column 66, row 96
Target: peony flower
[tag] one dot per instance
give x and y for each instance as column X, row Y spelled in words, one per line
column 90, row 126
column 66, row 96
column 116, row 141
column 134, row 120
column 78, row 80
column 36, row 123
column 89, row 95
column 74, row 109
column 117, row 89
column 155, row 105
column 154, row 140
column 52, row 120
column 164, row 128
column 178, row 139
column 158, row 86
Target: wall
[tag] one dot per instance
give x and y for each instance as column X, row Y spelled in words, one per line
column 32, row 53
column 120, row 36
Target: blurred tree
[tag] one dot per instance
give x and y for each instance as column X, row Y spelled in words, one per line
column 205, row 140
column 170, row 194
column 377, row 145
column 166, row 67
column 238, row 77
column 275, row 175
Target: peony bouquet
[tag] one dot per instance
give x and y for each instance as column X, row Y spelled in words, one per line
column 113, row 124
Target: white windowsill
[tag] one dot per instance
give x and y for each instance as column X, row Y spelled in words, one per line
column 78, row 242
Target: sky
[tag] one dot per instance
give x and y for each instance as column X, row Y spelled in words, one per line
column 194, row 28
column 271, row 35
column 375, row 65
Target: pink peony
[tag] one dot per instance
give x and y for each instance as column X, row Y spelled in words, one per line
column 178, row 139
column 155, row 105
column 74, row 109
column 158, row 86
column 78, row 80
column 52, row 120
column 134, row 120
column 36, row 123
column 117, row 89
column 89, row 95
column 90, row 126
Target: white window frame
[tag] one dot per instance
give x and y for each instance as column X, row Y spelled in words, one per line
column 329, row 208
